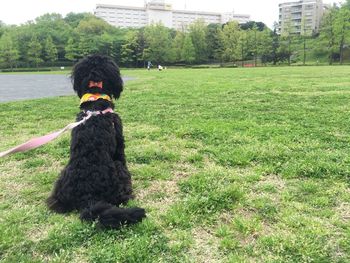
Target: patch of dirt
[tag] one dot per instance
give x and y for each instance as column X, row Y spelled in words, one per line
column 343, row 209
column 167, row 191
column 205, row 248
column 39, row 233
column 273, row 180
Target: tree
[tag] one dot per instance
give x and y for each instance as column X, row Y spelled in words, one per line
column 74, row 36
column 214, row 45
column 265, row 45
column 342, row 29
column 2, row 28
column 77, row 35
column 71, row 50
column 327, row 32
column 8, row 51
column 242, row 45
column 188, row 53
column 73, row 19
column 91, row 25
column 286, row 36
column 275, row 43
column 305, row 33
column 118, row 39
column 256, row 37
column 158, row 43
column 22, row 35
column 127, row 55
column 88, row 45
column 255, row 43
column 90, row 35
column 230, row 36
column 34, row 51
column 249, row 25
column 129, row 50
column 198, row 32
column 347, row 4
column 52, row 25
column 50, row 50
column 178, row 44
column 53, row 17
column 105, row 44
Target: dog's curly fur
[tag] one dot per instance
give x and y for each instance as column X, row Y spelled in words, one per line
column 96, row 179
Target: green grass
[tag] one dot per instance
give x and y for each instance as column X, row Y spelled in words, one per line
column 232, row 165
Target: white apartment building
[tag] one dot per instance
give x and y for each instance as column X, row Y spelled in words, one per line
column 296, row 17
column 157, row 11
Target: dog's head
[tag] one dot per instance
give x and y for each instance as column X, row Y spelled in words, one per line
column 97, row 74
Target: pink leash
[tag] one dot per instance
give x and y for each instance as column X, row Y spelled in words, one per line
column 37, row 142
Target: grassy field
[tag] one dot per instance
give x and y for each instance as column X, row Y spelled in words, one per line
column 232, row 165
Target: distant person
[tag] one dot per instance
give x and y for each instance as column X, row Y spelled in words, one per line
column 149, row 65
column 160, row 68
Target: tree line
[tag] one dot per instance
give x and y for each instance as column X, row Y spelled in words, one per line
column 53, row 40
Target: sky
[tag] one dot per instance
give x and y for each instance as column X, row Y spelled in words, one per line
column 20, row 11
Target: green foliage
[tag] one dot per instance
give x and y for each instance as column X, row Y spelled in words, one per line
column 34, row 51
column 342, row 30
column 286, row 40
column 2, row 28
column 73, row 19
column 188, row 52
column 50, row 50
column 51, row 26
column 265, row 45
column 91, row 25
column 254, row 42
column 71, row 49
column 198, row 33
column 213, row 41
column 89, row 31
column 347, row 4
column 8, row 51
column 335, row 31
column 230, row 37
column 74, row 36
column 131, row 51
column 178, row 44
column 158, row 43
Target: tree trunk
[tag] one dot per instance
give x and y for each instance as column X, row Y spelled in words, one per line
column 289, row 52
column 341, row 50
column 256, row 49
column 331, row 59
column 255, row 60
column 304, row 61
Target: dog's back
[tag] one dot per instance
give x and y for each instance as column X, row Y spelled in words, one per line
column 91, row 158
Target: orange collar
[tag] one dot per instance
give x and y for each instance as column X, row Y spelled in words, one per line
column 93, row 97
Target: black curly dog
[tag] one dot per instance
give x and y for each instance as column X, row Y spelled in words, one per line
column 96, row 180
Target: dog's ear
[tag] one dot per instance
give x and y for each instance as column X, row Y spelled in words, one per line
column 113, row 83
column 78, row 75
column 97, row 68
